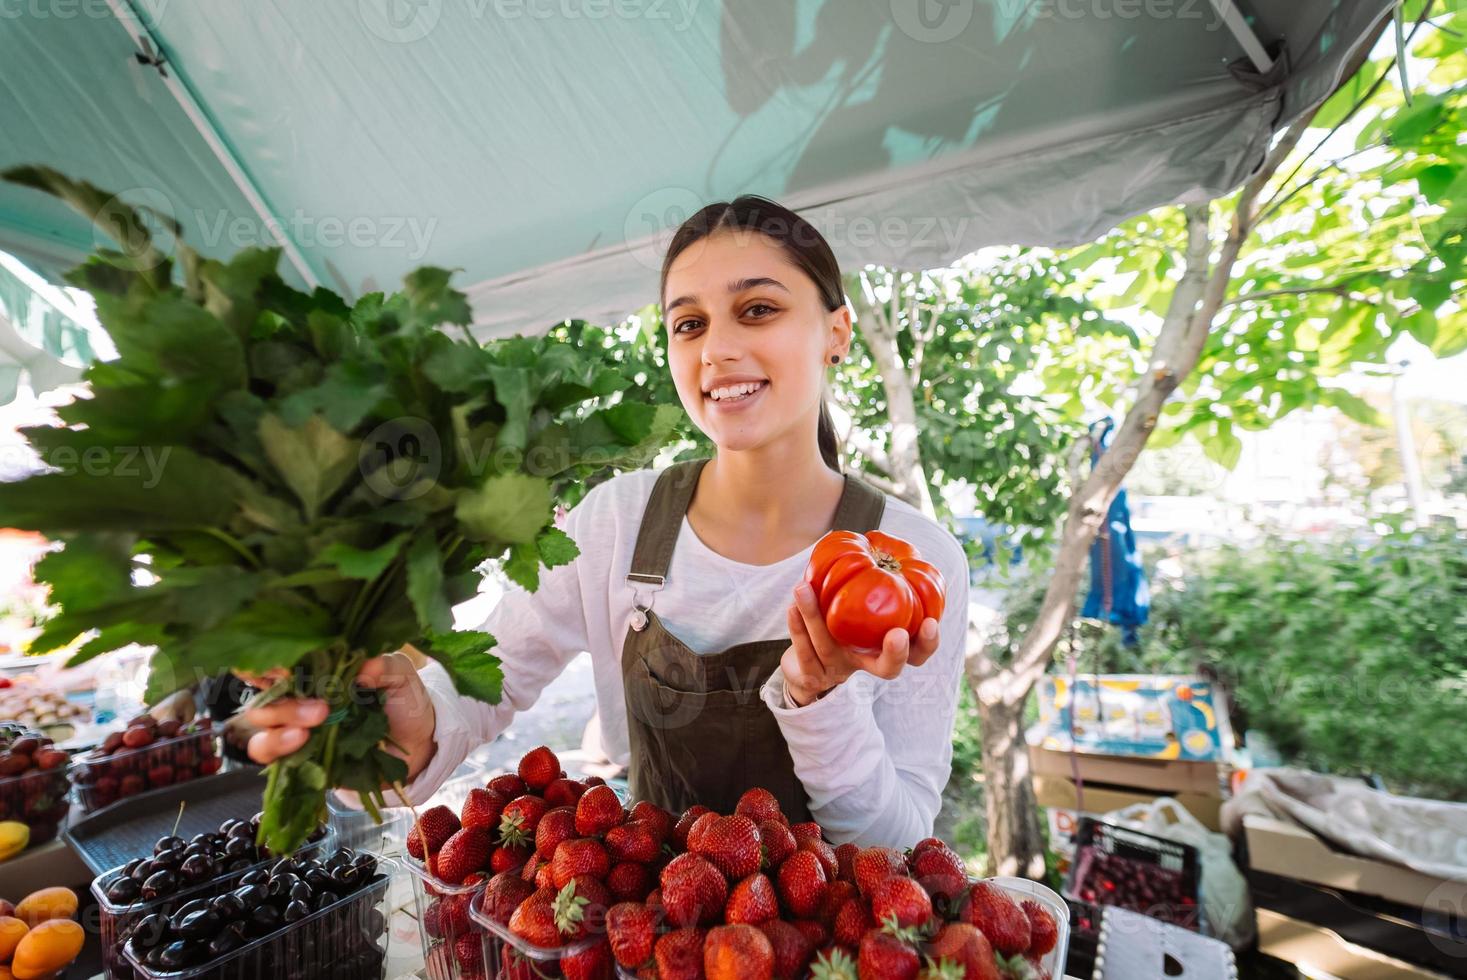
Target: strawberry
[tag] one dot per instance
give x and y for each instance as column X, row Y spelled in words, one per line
column 836, row 895
column 507, row 857
column 629, row 881
column 759, row 805
column 556, row 826
column 534, row 922
column 885, row 957
column 752, row 901
column 964, row 945
column 809, row 830
column 685, row 823
column 435, row 826
column 844, row 855
column 508, row 786
column 452, row 915
column 591, row 963
column 699, row 828
column 634, row 840
column 825, row 853
column 1042, row 932
column 693, row 891
column 468, row 949
column 802, row 883
column 564, row 792
column 654, row 902
column 872, row 864
column 481, row 809
column 539, row 768
column 440, row 964
column 679, row 955
column 580, row 907
column 520, row 818
column 997, row 916
column 462, row 854
column 503, row 894
column 940, row 970
column 597, row 811
column 514, row 966
column 578, row 856
column 778, row 843
column 631, row 927
column 927, row 842
column 814, row 931
column 545, row 877
column 852, row 921
column 833, row 963
column 730, row 843
column 940, row 871
column 737, row 952
column 657, row 819
column 900, row 900
column 792, row 949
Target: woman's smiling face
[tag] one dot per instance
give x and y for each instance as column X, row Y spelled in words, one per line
column 748, row 340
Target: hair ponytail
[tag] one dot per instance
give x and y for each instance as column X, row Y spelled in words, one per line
column 825, row 436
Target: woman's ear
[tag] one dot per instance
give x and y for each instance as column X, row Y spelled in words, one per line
column 840, row 332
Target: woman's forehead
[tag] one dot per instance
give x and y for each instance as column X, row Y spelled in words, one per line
column 707, row 268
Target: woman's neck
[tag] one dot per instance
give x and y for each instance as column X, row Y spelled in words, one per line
column 764, row 505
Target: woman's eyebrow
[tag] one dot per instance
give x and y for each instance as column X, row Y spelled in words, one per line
column 736, row 286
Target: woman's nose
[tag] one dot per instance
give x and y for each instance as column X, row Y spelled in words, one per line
column 721, row 342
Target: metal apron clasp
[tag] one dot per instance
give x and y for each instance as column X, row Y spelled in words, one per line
column 644, row 593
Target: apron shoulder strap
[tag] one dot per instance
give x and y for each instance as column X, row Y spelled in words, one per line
column 662, row 520
column 860, row 508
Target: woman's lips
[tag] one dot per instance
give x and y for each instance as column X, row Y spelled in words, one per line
column 738, row 404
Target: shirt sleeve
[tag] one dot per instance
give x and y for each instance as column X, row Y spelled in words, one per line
column 539, row 633
column 874, row 755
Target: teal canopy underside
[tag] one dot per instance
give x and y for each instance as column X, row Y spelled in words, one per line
column 548, row 147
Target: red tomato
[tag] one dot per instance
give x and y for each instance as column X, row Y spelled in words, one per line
column 867, row 584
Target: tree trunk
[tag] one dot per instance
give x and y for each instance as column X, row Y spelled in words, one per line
column 1015, row 845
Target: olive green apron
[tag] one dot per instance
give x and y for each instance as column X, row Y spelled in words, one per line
column 698, row 730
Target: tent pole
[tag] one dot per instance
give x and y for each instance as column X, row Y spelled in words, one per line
column 1238, row 26
column 142, row 36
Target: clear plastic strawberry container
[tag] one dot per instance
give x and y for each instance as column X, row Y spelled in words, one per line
column 38, row 799
column 116, row 918
column 507, row 955
column 104, row 778
column 354, row 827
column 347, row 940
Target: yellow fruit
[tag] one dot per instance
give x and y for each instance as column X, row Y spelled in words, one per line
column 14, row 836
column 12, row 930
column 48, row 903
column 47, row 948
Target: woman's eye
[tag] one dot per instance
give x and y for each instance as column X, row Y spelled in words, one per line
column 759, row 306
column 680, row 326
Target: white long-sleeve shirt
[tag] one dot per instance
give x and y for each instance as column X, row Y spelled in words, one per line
column 873, row 755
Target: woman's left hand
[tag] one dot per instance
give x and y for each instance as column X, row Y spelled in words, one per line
column 816, row 663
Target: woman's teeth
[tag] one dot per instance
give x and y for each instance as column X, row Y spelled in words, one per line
column 736, row 392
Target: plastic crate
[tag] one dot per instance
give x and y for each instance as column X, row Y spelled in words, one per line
column 443, row 920
column 115, row 919
column 345, row 940
column 1107, row 857
column 37, row 799
column 355, row 828
column 505, row 953
column 156, row 765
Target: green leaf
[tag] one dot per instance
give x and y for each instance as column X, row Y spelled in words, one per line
column 1353, row 406
column 510, row 508
column 465, row 655
column 167, row 335
column 1222, row 446
column 263, row 635
column 347, row 395
column 425, row 584
column 556, row 547
column 91, row 570
column 1434, row 180
column 523, row 566
column 362, row 563
column 314, row 459
column 432, row 301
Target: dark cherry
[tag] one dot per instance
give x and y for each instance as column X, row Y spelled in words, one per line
column 281, row 884
column 141, row 871
column 124, row 891
column 201, row 840
column 301, row 892
column 226, row 942
column 257, row 877
column 199, row 925
column 238, row 864
column 184, row 910
column 319, row 879
column 282, row 867
column 266, row 918
column 296, row 911
column 196, row 869
column 149, row 931
column 177, row 955
column 163, row 882
column 325, row 898
column 347, row 878
column 251, row 896
column 167, row 844
column 241, row 831
column 239, row 847
column 227, row 906
column 170, row 859
column 131, row 866
column 366, row 864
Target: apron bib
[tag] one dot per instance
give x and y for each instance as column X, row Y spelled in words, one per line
column 698, row 730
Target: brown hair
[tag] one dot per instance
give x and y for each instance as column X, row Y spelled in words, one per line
column 804, row 245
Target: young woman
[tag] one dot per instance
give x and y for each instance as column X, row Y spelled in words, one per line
column 714, row 670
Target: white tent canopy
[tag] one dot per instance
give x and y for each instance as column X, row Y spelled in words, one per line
column 548, row 147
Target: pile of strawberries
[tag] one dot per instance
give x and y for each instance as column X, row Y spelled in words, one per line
column 742, row 896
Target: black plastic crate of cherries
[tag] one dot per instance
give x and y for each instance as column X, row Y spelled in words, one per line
column 206, row 910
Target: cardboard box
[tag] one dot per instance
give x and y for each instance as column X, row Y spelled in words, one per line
column 1321, row 953
column 1059, row 792
column 1155, row 716
column 1287, row 849
column 1169, row 777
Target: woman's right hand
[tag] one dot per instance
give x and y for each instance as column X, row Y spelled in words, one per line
column 284, row 725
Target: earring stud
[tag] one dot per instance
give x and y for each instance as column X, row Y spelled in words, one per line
column 835, row 358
